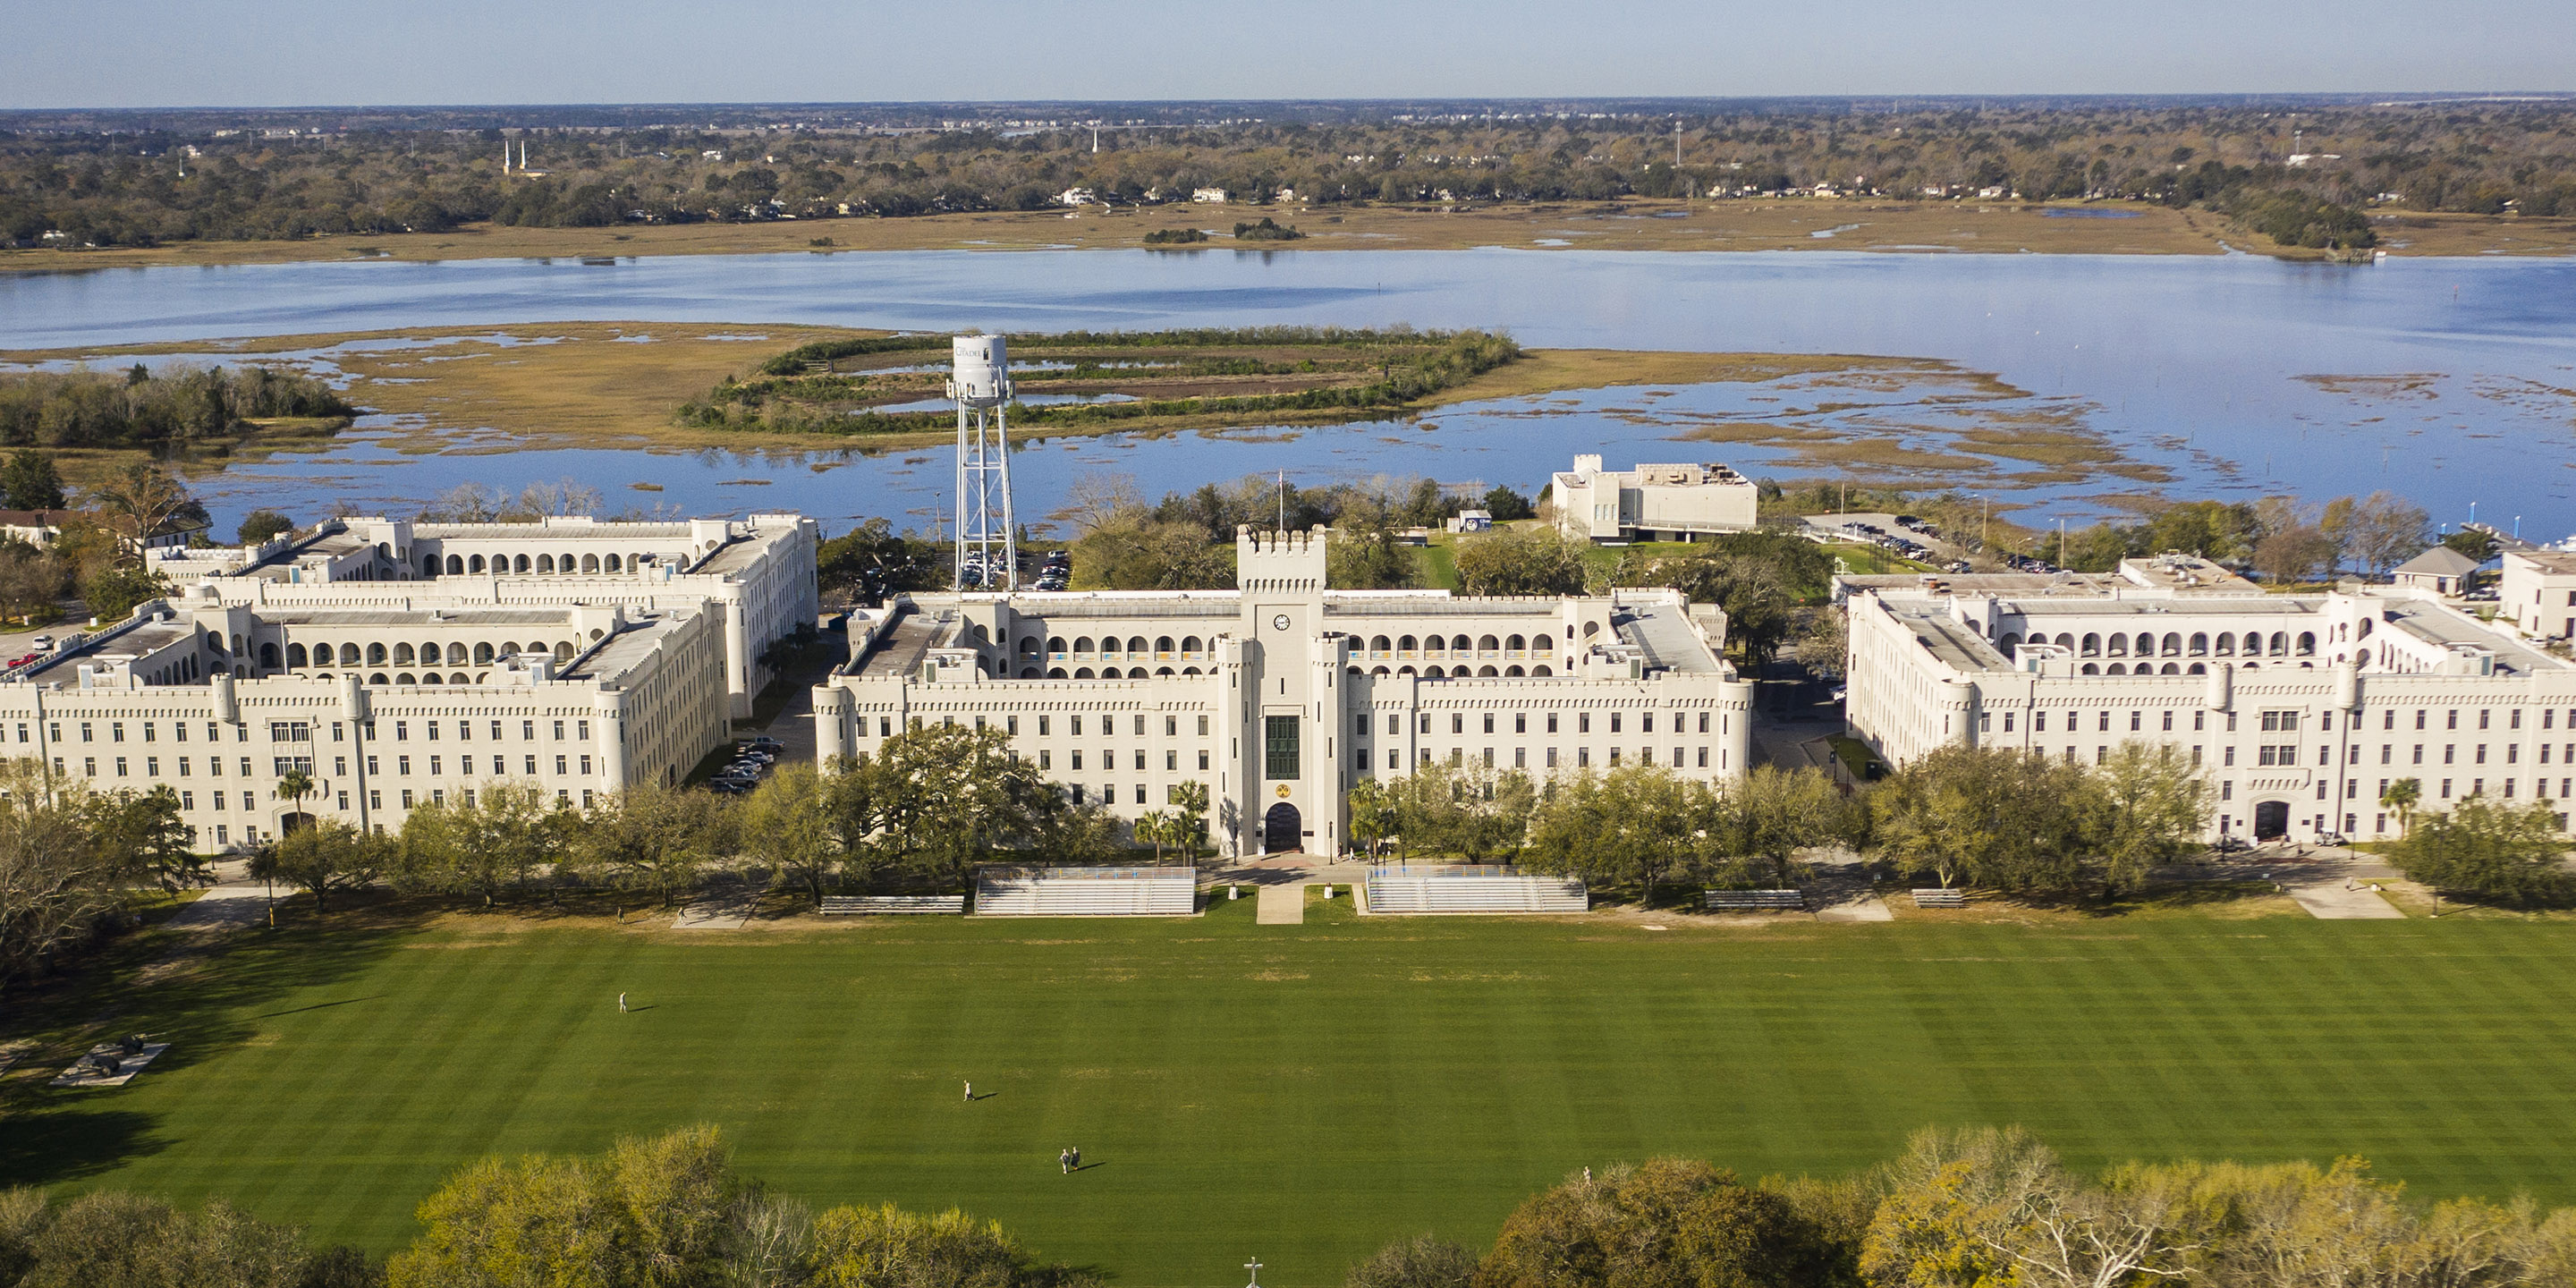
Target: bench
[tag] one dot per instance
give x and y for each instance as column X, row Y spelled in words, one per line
column 1944, row 898
column 1756, row 900
column 860, row 905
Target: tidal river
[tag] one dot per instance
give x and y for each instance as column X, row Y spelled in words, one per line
column 2450, row 380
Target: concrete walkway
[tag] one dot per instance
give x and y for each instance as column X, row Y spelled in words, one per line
column 234, row 901
column 724, row 908
column 2330, row 901
column 1281, row 905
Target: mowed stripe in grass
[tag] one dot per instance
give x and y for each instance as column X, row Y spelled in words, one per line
column 1306, row 1093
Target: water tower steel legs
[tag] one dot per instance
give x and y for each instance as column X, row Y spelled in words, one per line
column 985, row 525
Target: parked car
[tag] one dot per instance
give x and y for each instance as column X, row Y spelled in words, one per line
column 43, row 643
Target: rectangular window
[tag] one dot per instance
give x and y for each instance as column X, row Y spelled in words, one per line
column 1645, row 723
column 558, row 729
column 1614, row 721
column 431, row 728
column 1279, row 747
column 2227, row 791
column 218, row 798
column 2482, row 717
column 1012, row 726
column 1140, row 759
column 1551, row 757
column 2195, row 756
column 1203, row 728
column 585, row 765
column 1140, row 787
column 532, row 766
column 2451, row 718
column 1172, row 761
column 528, row 730
column 2136, row 716
column 1203, row 760
column 1551, row 722
column 1077, row 759
column 433, row 766
column 1489, row 722
column 2039, row 722
column 402, row 730
column 1076, row 725
column 581, row 729
column 406, row 798
column 245, row 766
column 1457, row 722
column 2008, row 723
column 2103, row 725
column 1046, row 759
column 2227, row 756
column 1359, row 725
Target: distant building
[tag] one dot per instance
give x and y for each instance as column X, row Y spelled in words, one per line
column 2538, row 592
column 2442, row 570
column 35, row 527
column 1077, row 197
column 1472, row 521
column 1209, row 196
column 1651, row 502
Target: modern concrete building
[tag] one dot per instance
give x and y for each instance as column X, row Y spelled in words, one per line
column 1651, row 502
column 757, row 572
column 2301, row 709
column 1279, row 694
column 2537, row 592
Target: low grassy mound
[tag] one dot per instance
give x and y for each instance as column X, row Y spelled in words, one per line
column 883, row 385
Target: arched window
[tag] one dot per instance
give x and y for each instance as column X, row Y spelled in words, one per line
column 1485, row 671
column 474, row 564
column 977, row 633
column 429, row 565
column 1055, row 644
column 2307, row 643
column 2117, row 646
column 1162, row 644
column 2281, row 644
column 402, row 654
column 2196, row 668
column 1487, row 644
column 590, row 563
column 563, row 563
column 1591, row 629
column 2365, row 630
column 1515, row 644
column 1379, row 644
column 1136, row 644
column 2170, row 669
column 482, row 655
column 2092, row 646
column 1541, row 670
column 2117, row 668
column 1405, row 670
column 1459, row 644
column 1436, row 673
column 1162, row 670
column 1082, row 644
column 268, row 656
column 1513, row 671
column 455, row 564
column 406, row 678
column 545, row 564
column 1055, row 673
column 2226, row 644
column 1189, row 670
column 1029, row 646
column 610, row 564
column 1377, row 671
column 2091, row 669
column 431, row 678
column 522, row 564
column 2066, row 641
column 377, row 678
column 295, row 656
column 563, row 650
column 1083, row 673
column 1408, row 644
column 1192, row 644
column 2200, row 643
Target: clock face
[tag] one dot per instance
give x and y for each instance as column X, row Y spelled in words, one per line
column 1279, row 623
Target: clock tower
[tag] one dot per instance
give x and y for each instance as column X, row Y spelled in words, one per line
column 1290, row 704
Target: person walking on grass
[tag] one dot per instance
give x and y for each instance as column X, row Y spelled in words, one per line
column 1064, row 1159
column 621, row 1004
column 970, row 1093
column 1075, row 1158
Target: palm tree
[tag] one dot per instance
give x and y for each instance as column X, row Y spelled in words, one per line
column 2402, row 796
column 294, row 788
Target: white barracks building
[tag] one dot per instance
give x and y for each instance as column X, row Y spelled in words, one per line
column 373, row 658
column 2301, row 709
column 1279, row 694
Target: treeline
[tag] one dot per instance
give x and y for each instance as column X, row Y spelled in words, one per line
column 142, row 408
column 2279, row 536
column 76, row 865
column 129, row 189
column 1186, row 540
column 920, row 814
column 659, row 1212
column 1989, row 1208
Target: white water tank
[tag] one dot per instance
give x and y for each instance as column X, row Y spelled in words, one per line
column 982, row 371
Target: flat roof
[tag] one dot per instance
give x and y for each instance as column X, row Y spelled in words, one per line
column 1659, row 632
column 623, row 650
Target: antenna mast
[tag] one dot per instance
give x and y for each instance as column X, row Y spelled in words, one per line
column 988, row 552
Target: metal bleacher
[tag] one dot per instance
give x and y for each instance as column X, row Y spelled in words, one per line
column 1009, row 891
column 863, row 905
column 1471, row 888
column 1755, row 900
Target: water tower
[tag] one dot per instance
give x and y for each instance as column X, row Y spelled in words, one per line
column 988, row 552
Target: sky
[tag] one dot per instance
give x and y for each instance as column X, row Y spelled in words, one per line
column 250, row 53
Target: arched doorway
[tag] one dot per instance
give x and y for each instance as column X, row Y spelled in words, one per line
column 295, row 822
column 1282, row 830
column 2271, row 820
